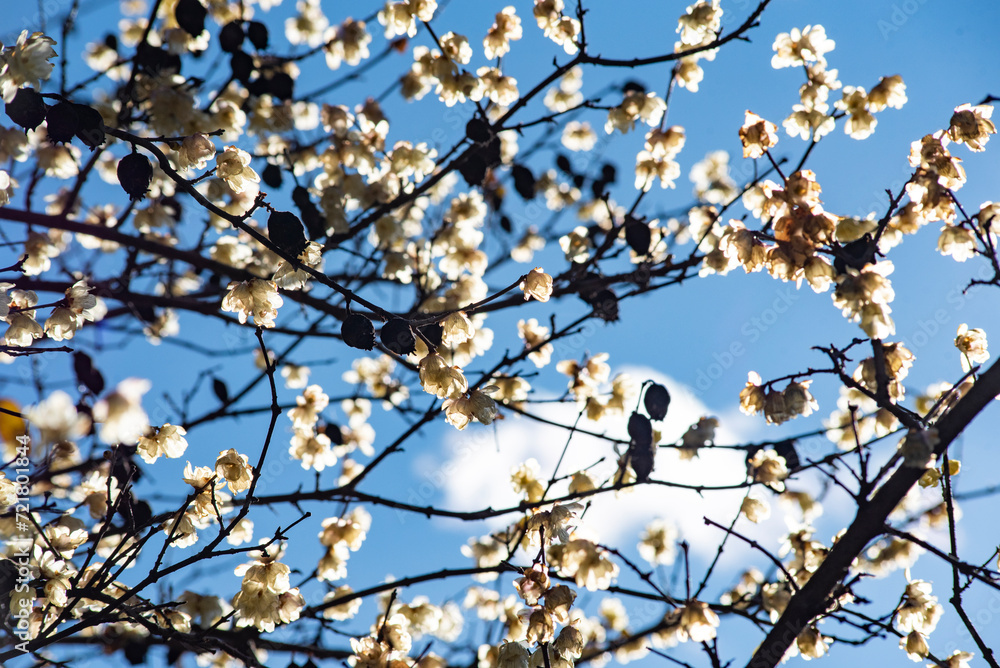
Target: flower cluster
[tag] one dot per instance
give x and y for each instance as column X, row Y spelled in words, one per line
column 400, row 18
column 777, row 407
column 341, row 536
column 506, row 28
column 694, row 621
column 656, row 160
column 898, row 360
column 865, row 295
column 587, row 376
column 347, row 42
column 266, row 597
column 636, row 105
column 257, row 298
column 167, row 440
column 917, row 616
column 561, row 29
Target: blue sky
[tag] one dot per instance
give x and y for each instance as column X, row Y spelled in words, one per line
column 687, row 334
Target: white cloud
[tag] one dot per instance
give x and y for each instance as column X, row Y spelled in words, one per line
column 478, row 461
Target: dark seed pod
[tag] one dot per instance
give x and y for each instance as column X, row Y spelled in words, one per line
column 271, row 176
column 856, row 254
column 492, row 153
column 334, row 433
column 144, row 312
column 311, row 216
column 478, row 130
column 281, row 86
column 27, row 109
column 633, row 87
column 640, row 429
column 257, row 32
column 86, row 374
column 358, row 332
column 563, row 163
column 285, row 231
column 91, row 127
column 397, row 336
column 300, row 195
column 608, row 172
column 231, row 37
column 656, row 401
column 220, row 390
column 787, row 450
column 242, row 66
column 605, row 305
column 473, row 170
column 135, row 174
column 257, row 87
column 190, row 15
column 637, row 235
column 641, row 449
column 598, row 188
column 62, row 122
column 524, row 181
column 154, row 60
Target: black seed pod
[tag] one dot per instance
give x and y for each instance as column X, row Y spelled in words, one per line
column 190, row 15
column 135, row 174
column 335, row 433
column 657, row 400
column 641, row 450
column 492, row 152
column 633, row 87
column 257, row 32
column 473, row 170
column 637, row 235
column 91, row 128
column 358, row 332
column 787, row 450
column 478, row 130
column 231, row 37
column 220, row 390
column 285, row 231
column 242, row 66
column 608, row 172
column 564, row 165
column 62, row 122
column 311, row 216
column 271, row 176
column 605, row 305
column 154, row 60
column 524, row 181
column 27, row 109
column 281, row 86
column 86, row 373
column 397, row 336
